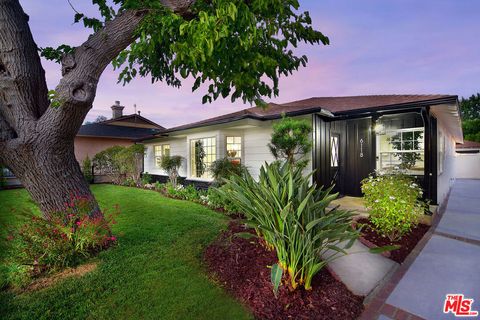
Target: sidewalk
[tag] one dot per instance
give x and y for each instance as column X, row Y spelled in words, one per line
column 446, row 261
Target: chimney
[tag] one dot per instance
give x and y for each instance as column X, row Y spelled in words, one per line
column 117, row 110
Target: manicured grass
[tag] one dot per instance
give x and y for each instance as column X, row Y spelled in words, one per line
column 155, row 272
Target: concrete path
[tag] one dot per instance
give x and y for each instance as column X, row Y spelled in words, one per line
column 448, row 264
column 360, row 270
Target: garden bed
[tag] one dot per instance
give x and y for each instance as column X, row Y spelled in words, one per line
column 371, row 238
column 241, row 266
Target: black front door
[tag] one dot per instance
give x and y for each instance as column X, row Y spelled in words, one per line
column 360, row 155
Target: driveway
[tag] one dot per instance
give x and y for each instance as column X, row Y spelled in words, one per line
column 449, row 263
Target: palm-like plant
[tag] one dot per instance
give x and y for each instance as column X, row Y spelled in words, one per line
column 290, row 213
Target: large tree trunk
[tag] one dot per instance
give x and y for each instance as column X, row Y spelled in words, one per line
column 36, row 140
column 51, row 174
column 36, row 136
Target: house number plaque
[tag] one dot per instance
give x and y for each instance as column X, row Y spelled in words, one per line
column 361, row 148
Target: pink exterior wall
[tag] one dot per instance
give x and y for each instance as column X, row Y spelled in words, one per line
column 92, row 145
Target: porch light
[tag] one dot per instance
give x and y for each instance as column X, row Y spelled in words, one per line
column 379, row 128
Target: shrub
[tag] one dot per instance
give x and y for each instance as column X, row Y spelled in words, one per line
column 87, row 169
column 158, row 186
column 105, row 162
column 121, row 163
column 217, row 198
column 171, row 164
column 289, row 213
column 146, row 178
column 190, row 193
column 129, row 182
column 291, row 140
column 184, row 193
column 130, row 162
column 69, row 237
column 395, row 204
column 222, row 169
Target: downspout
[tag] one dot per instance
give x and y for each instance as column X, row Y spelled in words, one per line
column 429, row 156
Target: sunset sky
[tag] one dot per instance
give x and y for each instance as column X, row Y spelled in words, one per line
column 377, row 47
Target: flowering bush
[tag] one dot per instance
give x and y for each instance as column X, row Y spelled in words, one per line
column 149, row 186
column 64, row 240
column 395, row 204
column 180, row 192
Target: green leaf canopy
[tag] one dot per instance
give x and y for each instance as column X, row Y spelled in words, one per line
column 235, row 48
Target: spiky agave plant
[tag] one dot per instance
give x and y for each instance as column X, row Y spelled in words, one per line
column 290, row 213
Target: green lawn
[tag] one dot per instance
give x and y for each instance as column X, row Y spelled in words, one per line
column 155, row 272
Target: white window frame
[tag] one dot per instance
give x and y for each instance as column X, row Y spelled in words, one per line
column 157, row 157
column 238, row 156
column 206, row 175
column 441, row 152
column 334, row 151
column 421, row 147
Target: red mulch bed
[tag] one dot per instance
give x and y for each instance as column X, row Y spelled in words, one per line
column 407, row 243
column 240, row 265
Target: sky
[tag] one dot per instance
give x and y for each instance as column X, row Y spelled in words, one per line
column 376, row 47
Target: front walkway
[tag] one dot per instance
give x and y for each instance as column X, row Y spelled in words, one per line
column 449, row 263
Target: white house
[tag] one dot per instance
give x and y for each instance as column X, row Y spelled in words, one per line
column 352, row 137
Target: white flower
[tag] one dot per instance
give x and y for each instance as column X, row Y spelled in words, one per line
column 377, row 201
column 391, row 198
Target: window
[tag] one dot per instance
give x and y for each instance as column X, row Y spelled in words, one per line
column 234, row 149
column 160, row 151
column 441, row 152
column 202, row 153
column 402, row 149
column 334, row 148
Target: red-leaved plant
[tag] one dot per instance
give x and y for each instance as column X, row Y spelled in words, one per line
column 66, row 239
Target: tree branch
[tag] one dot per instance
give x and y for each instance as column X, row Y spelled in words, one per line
column 23, row 89
column 82, row 69
column 180, row 7
column 81, row 73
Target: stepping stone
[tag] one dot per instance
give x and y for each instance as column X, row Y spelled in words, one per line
column 360, row 270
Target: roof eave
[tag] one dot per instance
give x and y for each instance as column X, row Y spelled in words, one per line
column 106, row 137
column 317, row 110
column 397, row 106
